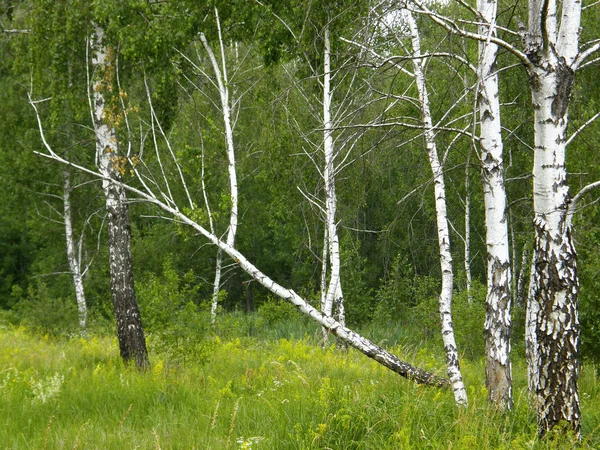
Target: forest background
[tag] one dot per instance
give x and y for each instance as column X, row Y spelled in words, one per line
column 163, row 98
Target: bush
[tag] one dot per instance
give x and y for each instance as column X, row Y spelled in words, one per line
column 277, row 311
column 177, row 326
column 402, row 291
column 468, row 319
column 45, row 314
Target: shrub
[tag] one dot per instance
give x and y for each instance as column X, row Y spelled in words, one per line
column 277, row 311
column 177, row 326
column 45, row 314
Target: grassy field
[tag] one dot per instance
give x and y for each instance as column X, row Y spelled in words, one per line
column 254, row 392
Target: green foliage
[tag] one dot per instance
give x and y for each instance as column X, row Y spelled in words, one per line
column 396, row 294
column 44, row 313
column 468, row 318
column 275, row 311
column 176, row 325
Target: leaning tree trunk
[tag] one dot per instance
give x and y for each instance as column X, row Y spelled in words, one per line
column 74, row 261
column 452, row 362
column 352, row 338
column 498, row 300
column 132, row 343
column 552, row 305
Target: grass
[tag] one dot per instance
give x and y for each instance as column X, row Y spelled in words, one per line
column 258, row 390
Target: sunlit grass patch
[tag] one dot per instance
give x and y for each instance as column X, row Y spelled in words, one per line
column 253, row 393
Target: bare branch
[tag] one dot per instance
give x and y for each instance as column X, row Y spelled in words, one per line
column 581, row 128
column 580, row 194
column 451, row 26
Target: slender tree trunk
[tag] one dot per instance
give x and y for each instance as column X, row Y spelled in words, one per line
column 334, row 302
column 324, row 259
column 74, row 261
column 498, row 300
column 452, row 362
column 468, row 276
column 222, row 83
column 552, row 303
column 132, row 343
column 520, row 290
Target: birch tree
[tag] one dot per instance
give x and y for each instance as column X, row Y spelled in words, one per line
column 551, row 55
column 317, row 26
column 445, row 299
column 73, row 246
column 498, row 300
column 398, row 24
column 334, row 299
column 132, row 343
column 224, row 95
column 552, row 49
column 74, row 249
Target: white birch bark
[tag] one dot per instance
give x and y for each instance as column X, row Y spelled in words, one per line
column 498, row 300
column 222, row 83
column 450, row 348
column 334, row 302
column 132, row 342
column 324, row 265
column 553, row 324
column 74, row 261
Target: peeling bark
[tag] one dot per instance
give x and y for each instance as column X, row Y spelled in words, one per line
column 132, row 342
column 556, row 329
column 452, row 363
column 553, row 324
column 498, row 300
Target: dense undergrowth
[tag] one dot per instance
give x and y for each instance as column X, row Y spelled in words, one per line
column 265, row 383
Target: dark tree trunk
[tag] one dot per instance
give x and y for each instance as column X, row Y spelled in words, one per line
column 132, row 343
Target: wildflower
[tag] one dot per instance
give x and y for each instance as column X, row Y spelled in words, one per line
column 44, row 390
column 246, row 444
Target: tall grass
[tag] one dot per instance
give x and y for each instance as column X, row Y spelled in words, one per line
column 260, row 389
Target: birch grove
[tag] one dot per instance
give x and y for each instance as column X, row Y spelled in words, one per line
column 347, row 335
column 345, row 175
column 162, row 198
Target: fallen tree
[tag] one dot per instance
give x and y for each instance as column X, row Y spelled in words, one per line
column 347, row 335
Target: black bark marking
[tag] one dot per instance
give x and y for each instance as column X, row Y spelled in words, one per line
column 564, row 84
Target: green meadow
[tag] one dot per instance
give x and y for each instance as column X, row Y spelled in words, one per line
column 263, row 386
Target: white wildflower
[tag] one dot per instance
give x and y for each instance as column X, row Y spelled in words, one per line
column 44, row 390
column 246, row 444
